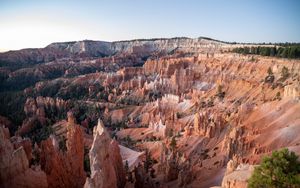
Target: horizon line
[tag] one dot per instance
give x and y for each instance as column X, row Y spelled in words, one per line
column 3, row 50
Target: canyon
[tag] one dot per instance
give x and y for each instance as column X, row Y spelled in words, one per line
column 147, row 113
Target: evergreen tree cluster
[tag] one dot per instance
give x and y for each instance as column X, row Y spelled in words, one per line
column 281, row 169
column 283, row 52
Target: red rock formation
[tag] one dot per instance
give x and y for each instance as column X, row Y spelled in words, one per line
column 14, row 166
column 142, row 179
column 25, row 143
column 64, row 168
column 208, row 124
column 237, row 177
column 52, row 163
column 233, row 142
column 5, row 122
column 172, row 168
column 185, row 175
column 291, row 92
column 105, row 160
column 35, row 111
column 75, row 151
column 249, row 121
column 118, row 163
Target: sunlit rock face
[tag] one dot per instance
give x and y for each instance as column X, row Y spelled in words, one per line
column 237, row 177
column 14, row 166
column 291, row 92
column 106, row 162
column 96, row 48
column 64, row 164
column 37, row 111
column 208, row 124
column 90, row 48
column 182, row 113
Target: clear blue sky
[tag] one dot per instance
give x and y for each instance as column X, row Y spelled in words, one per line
column 36, row 23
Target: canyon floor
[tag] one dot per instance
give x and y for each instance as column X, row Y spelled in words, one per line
column 153, row 113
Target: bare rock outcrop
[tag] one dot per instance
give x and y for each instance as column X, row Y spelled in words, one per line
column 4, row 121
column 25, row 143
column 185, row 175
column 14, row 166
column 75, row 150
column 291, row 92
column 36, row 111
column 208, row 124
column 172, row 164
column 38, row 106
column 106, row 164
column 233, row 142
column 231, row 165
column 52, row 163
column 118, row 163
column 64, row 168
column 237, row 178
column 142, row 179
column 172, row 168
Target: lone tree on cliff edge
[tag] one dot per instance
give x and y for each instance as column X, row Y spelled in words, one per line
column 280, row 170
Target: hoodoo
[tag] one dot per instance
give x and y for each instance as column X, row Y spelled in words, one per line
column 154, row 113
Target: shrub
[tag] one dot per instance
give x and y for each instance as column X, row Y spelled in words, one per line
column 284, row 73
column 270, row 78
column 86, row 162
column 270, row 72
column 220, row 92
column 279, row 170
column 278, row 97
column 39, row 132
column 173, row 143
column 63, row 144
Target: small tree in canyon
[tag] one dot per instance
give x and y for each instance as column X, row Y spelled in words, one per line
column 285, row 73
column 173, row 143
column 220, row 92
column 270, row 78
column 148, row 161
column 282, row 169
column 128, row 172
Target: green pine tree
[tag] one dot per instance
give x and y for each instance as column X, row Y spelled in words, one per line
column 126, row 166
column 284, row 73
column 173, row 143
column 270, row 72
column 279, row 170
